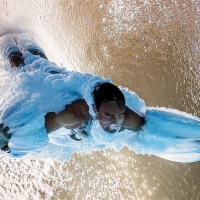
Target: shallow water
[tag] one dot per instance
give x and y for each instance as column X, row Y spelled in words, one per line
column 151, row 47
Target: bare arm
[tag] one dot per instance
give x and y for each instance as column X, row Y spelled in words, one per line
column 71, row 117
column 132, row 120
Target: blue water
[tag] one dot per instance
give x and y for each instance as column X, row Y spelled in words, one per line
column 32, row 91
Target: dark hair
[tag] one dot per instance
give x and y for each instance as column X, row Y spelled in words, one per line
column 108, row 92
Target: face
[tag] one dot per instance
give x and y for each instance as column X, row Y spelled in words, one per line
column 110, row 116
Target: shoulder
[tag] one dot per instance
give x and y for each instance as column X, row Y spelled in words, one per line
column 79, row 102
column 132, row 120
column 78, row 108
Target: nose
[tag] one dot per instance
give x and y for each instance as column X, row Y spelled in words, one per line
column 115, row 121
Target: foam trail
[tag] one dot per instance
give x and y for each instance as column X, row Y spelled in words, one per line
column 8, row 31
column 34, row 91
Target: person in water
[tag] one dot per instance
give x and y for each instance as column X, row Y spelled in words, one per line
column 109, row 105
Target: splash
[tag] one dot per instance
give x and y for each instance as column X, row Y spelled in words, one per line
column 34, row 91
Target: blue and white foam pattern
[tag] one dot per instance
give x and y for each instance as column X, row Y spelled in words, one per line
column 35, row 89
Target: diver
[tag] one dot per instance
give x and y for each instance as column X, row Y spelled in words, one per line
column 109, row 105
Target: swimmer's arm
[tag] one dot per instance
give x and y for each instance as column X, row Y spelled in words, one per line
column 71, row 117
column 132, row 120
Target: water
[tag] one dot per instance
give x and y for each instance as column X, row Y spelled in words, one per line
column 150, row 48
column 34, row 91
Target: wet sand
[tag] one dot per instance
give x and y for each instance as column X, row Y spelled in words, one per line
column 150, row 48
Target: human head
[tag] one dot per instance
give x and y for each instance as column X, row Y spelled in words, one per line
column 110, row 106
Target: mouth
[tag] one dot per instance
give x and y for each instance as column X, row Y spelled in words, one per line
column 112, row 128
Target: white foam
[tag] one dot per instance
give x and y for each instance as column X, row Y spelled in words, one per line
column 33, row 91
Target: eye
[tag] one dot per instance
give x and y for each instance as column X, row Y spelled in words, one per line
column 109, row 116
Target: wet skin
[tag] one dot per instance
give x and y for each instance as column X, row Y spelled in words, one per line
column 110, row 116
